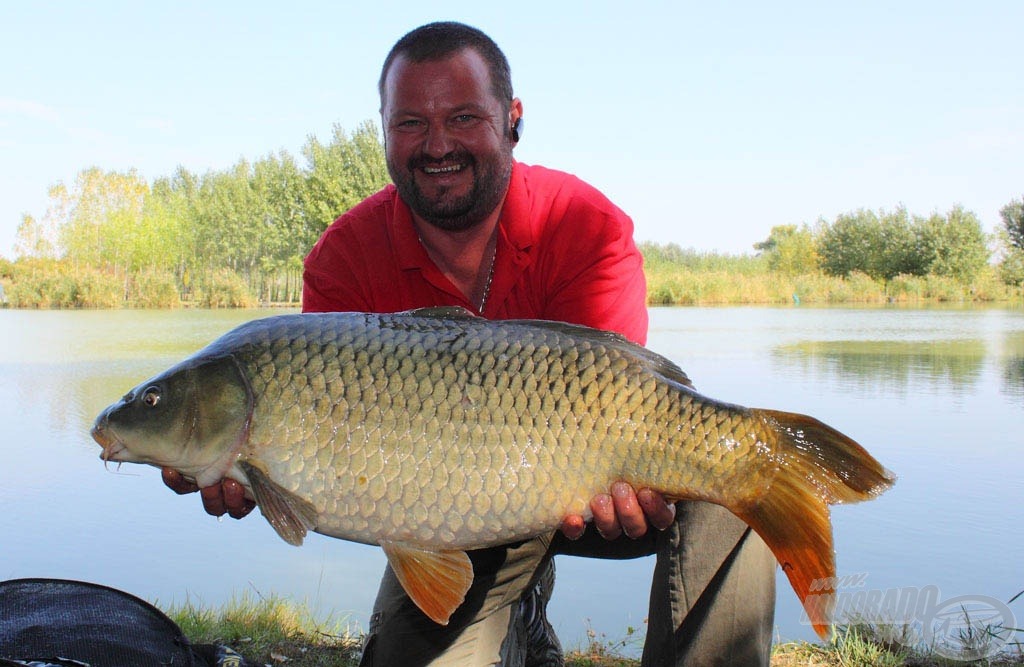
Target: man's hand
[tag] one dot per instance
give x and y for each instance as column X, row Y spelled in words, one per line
column 623, row 511
column 227, row 497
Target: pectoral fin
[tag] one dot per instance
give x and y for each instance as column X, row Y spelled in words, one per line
column 291, row 516
column 437, row 581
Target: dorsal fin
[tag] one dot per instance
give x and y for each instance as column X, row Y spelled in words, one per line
column 441, row 313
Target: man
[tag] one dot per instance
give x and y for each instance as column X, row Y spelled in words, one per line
column 466, row 225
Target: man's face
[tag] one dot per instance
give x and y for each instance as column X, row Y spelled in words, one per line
column 447, row 138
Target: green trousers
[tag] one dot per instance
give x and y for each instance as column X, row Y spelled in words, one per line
column 712, row 599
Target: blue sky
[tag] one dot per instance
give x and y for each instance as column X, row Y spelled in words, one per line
column 709, row 123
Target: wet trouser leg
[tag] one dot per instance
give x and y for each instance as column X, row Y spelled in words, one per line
column 713, row 593
column 400, row 634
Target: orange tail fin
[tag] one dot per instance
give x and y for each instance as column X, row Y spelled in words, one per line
column 819, row 466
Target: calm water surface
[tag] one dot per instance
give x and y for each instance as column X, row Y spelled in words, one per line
column 937, row 395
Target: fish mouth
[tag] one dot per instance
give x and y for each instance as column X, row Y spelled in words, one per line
column 113, row 449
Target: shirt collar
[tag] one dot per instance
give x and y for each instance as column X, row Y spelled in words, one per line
column 515, row 216
column 409, row 251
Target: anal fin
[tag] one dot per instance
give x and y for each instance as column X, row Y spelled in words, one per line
column 437, row 581
column 291, row 516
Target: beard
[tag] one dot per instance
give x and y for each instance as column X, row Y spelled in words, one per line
column 447, row 211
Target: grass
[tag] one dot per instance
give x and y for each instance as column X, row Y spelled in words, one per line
column 675, row 277
column 681, row 286
column 273, row 631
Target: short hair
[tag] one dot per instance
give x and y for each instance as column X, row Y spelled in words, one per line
column 436, row 41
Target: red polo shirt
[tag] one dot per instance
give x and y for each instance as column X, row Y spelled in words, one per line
column 564, row 253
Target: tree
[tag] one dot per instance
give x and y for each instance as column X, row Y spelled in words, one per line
column 1013, row 221
column 790, row 249
column 35, row 238
column 1011, row 240
column 851, row 243
column 101, row 214
column 226, row 219
column 897, row 251
column 952, row 245
column 340, row 174
column 173, row 205
column 890, row 244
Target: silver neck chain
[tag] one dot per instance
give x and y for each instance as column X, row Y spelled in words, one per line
column 490, row 277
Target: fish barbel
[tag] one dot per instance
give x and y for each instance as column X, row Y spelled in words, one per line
column 433, row 431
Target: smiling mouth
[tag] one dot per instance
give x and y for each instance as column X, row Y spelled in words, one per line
column 450, row 169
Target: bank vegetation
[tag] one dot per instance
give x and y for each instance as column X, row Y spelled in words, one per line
column 237, row 237
column 275, row 631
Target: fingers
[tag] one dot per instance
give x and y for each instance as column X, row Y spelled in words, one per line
column 213, row 499
column 228, row 497
column 573, row 526
column 629, row 512
column 176, row 482
column 659, row 513
column 234, row 499
column 603, row 508
column 627, row 508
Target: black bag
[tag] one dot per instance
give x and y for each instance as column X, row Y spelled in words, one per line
column 58, row 622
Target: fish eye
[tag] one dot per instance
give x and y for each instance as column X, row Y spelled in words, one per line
column 151, row 396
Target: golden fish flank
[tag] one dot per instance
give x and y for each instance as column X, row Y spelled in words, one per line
column 433, row 432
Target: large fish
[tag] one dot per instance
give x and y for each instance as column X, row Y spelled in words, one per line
column 433, row 431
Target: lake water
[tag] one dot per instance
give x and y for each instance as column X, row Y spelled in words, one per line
column 936, row 394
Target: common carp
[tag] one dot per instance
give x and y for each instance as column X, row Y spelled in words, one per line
column 432, row 432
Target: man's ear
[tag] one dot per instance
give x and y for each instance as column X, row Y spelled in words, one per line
column 515, row 117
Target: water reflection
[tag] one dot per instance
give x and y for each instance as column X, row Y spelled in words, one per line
column 897, row 366
column 1013, row 366
column 67, row 395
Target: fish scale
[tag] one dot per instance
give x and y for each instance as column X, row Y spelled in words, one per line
column 432, row 432
column 430, row 418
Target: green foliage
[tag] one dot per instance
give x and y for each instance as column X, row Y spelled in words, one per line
column 97, row 289
column 672, row 279
column 6, row 268
column 952, row 245
column 33, row 239
column 879, row 245
column 340, row 175
column 601, row 651
column 1011, row 268
column 100, row 216
column 244, row 230
column 790, row 250
column 849, row 243
column 223, row 289
column 658, row 256
column 154, row 288
column 271, row 630
column 886, row 245
column 1013, row 222
column 43, row 283
column 238, row 236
